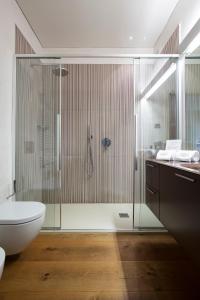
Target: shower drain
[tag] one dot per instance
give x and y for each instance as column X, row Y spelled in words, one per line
column 123, row 215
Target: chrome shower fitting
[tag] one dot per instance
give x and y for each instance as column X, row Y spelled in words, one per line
column 60, row 71
column 90, row 162
column 106, row 143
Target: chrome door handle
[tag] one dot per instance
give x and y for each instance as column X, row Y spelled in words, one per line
column 150, row 191
column 185, row 177
column 151, row 166
column 58, row 141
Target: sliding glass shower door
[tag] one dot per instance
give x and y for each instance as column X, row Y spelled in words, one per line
column 157, row 110
column 75, row 142
column 37, row 135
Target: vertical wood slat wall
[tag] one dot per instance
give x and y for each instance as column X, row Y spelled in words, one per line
column 100, row 97
column 172, row 45
column 21, row 44
column 192, row 103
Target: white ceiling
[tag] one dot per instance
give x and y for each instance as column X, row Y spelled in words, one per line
column 97, row 23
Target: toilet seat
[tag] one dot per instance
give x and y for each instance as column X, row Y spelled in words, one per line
column 2, row 256
column 20, row 212
column 2, row 260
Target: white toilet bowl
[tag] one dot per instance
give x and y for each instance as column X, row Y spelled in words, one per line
column 2, row 261
column 20, row 223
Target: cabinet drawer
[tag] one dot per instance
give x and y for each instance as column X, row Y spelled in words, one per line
column 152, row 175
column 152, row 200
column 180, row 207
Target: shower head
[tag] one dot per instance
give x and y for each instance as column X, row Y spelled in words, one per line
column 57, row 71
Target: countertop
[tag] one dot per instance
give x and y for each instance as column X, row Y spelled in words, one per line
column 178, row 165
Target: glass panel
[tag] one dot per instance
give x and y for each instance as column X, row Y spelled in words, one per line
column 97, row 146
column 96, row 165
column 37, row 135
column 192, row 103
column 157, row 122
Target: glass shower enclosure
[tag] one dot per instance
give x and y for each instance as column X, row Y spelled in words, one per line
column 83, row 129
column 74, row 141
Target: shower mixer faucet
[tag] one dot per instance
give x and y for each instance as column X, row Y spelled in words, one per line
column 106, row 142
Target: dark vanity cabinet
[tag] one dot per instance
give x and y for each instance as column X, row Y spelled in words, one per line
column 179, row 205
column 152, row 187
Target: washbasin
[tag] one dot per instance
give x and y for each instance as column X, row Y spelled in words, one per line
column 193, row 166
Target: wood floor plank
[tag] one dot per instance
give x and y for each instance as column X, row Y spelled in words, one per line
column 90, row 276
column 98, row 296
column 108, row 236
column 141, row 250
column 95, row 247
column 72, row 251
column 99, row 266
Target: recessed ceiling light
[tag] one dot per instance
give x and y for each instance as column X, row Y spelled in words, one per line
column 130, row 37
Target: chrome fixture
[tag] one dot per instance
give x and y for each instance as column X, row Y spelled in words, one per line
column 90, row 162
column 123, row 215
column 57, row 71
column 106, row 143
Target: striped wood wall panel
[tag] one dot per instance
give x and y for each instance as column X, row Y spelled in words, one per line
column 99, row 96
column 172, row 45
column 21, row 44
column 192, row 103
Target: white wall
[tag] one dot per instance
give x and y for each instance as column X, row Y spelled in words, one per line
column 10, row 15
column 186, row 13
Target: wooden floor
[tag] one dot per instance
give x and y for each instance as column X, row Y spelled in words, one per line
column 74, row 266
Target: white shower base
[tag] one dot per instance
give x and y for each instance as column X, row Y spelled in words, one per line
column 99, row 217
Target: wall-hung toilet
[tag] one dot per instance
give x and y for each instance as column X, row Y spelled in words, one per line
column 2, row 261
column 20, row 223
